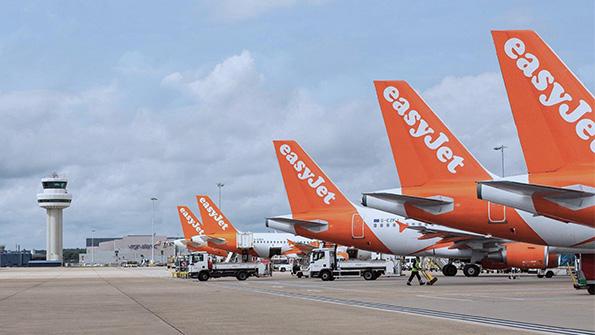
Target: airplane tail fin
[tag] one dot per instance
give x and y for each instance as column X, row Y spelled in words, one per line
column 423, row 147
column 552, row 109
column 307, row 186
column 190, row 224
column 214, row 222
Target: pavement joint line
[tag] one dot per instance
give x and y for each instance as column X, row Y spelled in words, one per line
column 164, row 320
column 314, row 286
column 485, row 296
column 442, row 298
column 30, row 287
column 420, row 311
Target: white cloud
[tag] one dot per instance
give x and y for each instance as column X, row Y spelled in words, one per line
column 231, row 10
column 476, row 110
column 234, row 10
column 118, row 154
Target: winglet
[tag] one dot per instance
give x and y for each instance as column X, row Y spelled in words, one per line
column 552, row 109
column 424, row 149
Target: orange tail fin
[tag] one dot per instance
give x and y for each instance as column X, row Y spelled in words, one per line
column 552, row 109
column 190, row 224
column 308, row 188
column 214, row 222
column 423, row 147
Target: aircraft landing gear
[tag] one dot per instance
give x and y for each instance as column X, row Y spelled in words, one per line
column 449, row 270
column 471, row 270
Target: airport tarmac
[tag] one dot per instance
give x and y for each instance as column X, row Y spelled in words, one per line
column 149, row 301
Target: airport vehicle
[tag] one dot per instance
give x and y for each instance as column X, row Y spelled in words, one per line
column 220, row 233
column 438, row 179
column 203, row 268
column 192, row 229
column 281, row 264
column 549, row 273
column 552, row 111
column 325, row 265
column 319, row 210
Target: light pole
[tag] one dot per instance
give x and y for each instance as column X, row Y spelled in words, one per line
column 153, row 199
column 501, row 148
column 220, row 185
column 92, row 246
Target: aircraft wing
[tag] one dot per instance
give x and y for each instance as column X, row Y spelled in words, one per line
column 457, row 239
column 305, row 248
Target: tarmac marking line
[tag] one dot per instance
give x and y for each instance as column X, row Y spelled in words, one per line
column 487, row 321
column 164, row 320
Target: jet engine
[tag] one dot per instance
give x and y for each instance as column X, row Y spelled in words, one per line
column 523, row 256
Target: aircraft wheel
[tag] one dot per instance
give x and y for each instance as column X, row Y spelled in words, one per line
column 471, row 270
column 449, row 270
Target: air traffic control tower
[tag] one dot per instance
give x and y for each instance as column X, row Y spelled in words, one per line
column 54, row 199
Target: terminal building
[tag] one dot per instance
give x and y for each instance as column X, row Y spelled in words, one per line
column 130, row 248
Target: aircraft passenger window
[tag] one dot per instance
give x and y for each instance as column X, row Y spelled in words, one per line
column 381, row 225
column 374, row 225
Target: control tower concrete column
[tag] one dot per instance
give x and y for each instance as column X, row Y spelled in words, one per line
column 54, row 199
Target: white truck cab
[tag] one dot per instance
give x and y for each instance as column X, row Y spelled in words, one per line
column 324, row 265
column 203, row 268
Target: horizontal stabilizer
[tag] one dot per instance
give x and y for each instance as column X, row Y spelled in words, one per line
column 433, row 205
column 288, row 224
column 575, row 198
column 214, row 239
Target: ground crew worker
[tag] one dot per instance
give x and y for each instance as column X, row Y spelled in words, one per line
column 296, row 268
column 415, row 272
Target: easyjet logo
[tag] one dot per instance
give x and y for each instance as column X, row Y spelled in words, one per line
column 306, row 175
column 213, row 213
column 543, row 79
column 191, row 221
column 419, row 128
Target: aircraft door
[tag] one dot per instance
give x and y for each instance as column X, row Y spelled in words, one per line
column 357, row 226
column 273, row 251
column 496, row 213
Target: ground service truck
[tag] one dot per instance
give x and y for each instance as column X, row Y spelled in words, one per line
column 203, row 268
column 324, row 265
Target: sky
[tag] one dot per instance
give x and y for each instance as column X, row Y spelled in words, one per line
column 139, row 99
